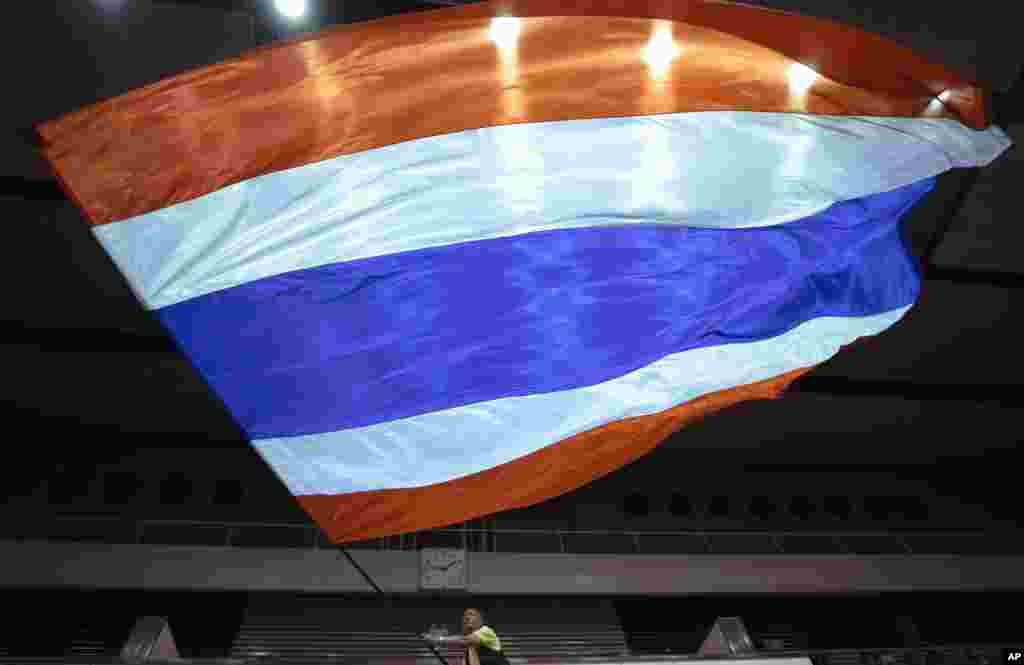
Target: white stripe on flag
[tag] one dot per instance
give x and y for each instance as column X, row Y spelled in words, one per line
column 443, row 445
column 710, row 169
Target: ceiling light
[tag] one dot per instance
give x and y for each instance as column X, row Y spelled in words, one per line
column 293, row 9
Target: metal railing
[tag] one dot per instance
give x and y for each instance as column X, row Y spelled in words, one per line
column 115, row 530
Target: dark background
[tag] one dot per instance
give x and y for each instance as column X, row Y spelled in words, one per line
column 90, row 383
column 87, row 377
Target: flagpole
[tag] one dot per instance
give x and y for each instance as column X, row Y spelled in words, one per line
column 369, row 580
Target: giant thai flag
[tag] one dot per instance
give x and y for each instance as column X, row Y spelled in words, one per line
column 446, row 264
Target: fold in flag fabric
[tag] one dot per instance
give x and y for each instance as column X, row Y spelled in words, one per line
column 447, row 264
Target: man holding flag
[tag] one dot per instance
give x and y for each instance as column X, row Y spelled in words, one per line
column 482, row 646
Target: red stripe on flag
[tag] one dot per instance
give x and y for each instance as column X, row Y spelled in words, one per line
column 549, row 472
column 374, row 84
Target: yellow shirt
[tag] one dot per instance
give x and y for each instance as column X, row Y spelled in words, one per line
column 488, row 638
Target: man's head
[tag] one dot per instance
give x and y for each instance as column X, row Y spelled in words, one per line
column 472, row 619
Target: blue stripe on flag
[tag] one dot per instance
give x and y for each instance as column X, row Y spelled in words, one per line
column 389, row 337
column 440, row 446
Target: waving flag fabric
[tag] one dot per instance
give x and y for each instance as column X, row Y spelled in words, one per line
column 452, row 263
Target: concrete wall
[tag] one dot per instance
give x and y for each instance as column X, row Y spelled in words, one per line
column 41, row 564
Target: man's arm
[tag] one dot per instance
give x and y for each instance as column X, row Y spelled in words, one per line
column 458, row 640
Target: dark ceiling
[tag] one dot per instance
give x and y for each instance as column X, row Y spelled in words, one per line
column 83, row 366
